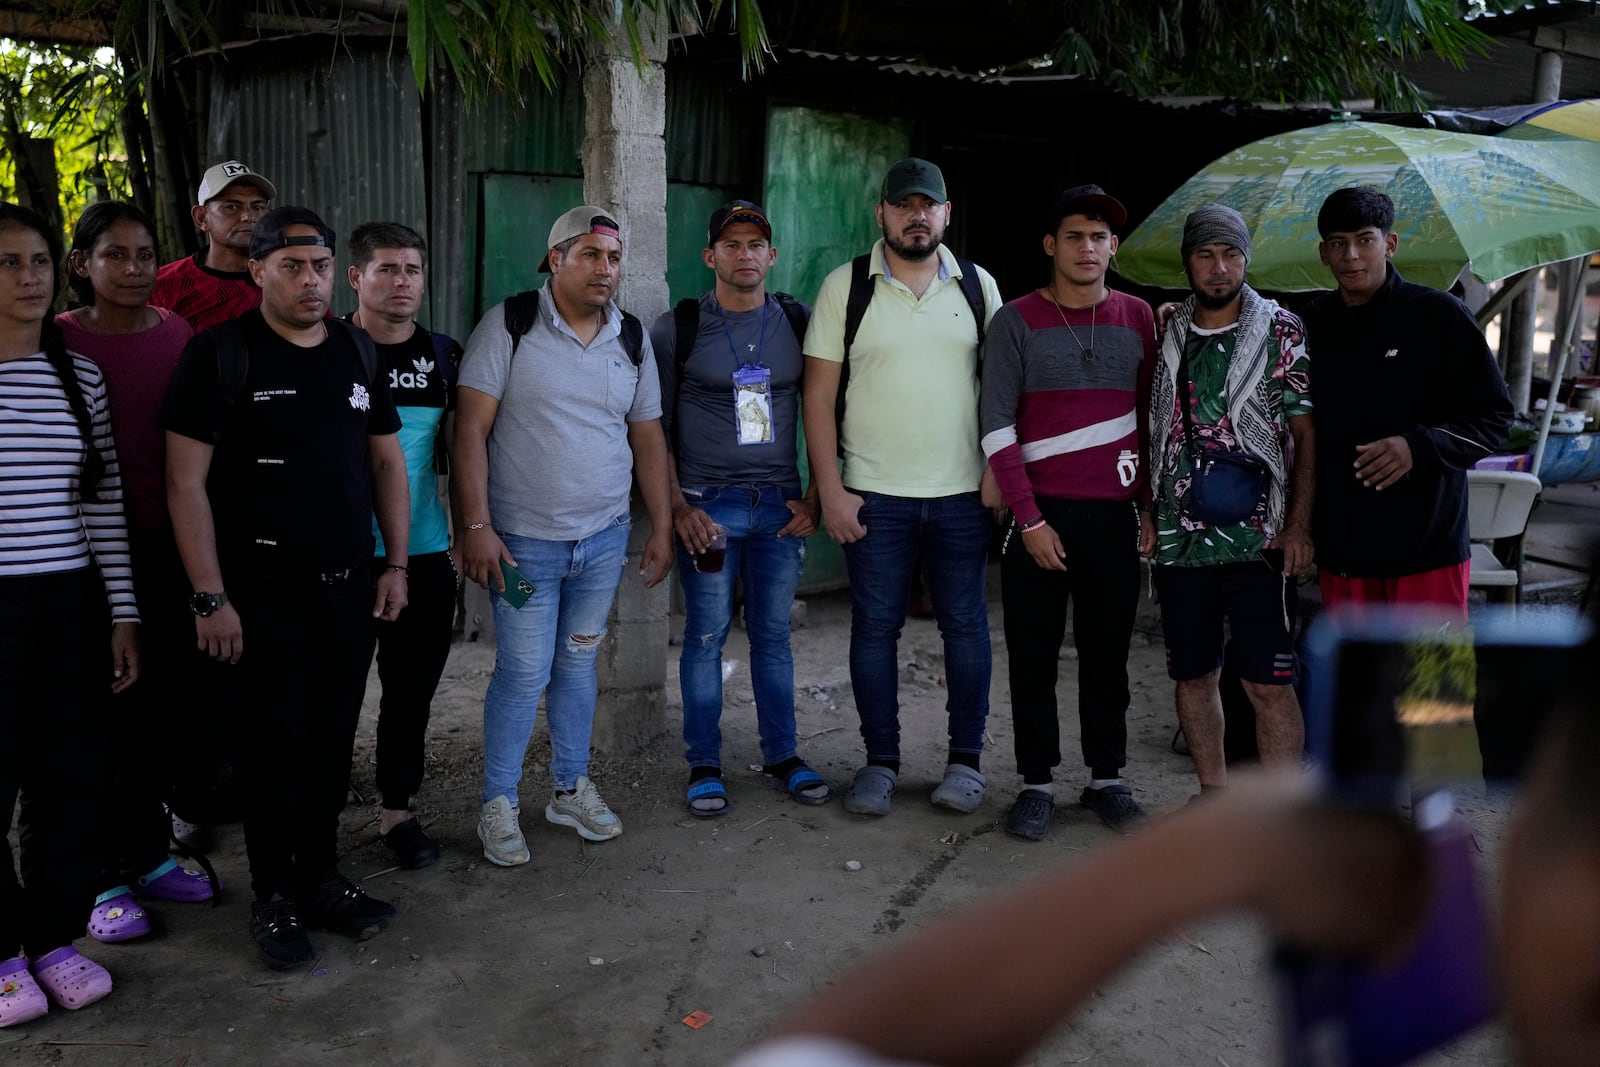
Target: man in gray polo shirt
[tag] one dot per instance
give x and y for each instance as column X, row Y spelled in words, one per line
column 730, row 395
column 559, row 400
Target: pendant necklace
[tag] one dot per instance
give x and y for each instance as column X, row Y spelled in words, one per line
column 1094, row 310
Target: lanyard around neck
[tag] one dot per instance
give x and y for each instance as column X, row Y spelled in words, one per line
column 727, row 332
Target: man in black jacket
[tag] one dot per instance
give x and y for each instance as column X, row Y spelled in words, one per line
column 1408, row 397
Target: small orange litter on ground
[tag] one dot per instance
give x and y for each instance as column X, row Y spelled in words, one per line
column 696, row 1019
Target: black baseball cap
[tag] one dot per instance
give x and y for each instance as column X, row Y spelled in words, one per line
column 913, row 176
column 269, row 232
column 1076, row 199
column 737, row 211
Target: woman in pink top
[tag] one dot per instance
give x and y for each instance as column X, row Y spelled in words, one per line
column 112, row 268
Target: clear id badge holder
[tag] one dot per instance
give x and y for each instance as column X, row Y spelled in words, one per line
column 752, row 404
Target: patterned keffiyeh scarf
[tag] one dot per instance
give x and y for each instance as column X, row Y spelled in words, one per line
column 1249, row 392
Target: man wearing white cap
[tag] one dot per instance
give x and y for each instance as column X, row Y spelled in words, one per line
column 559, row 402
column 214, row 285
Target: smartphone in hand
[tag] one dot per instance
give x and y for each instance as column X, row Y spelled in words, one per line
column 518, row 588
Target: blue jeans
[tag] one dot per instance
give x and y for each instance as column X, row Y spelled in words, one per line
column 951, row 536
column 769, row 566
column 548, row 646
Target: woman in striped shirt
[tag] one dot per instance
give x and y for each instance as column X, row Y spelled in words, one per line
column 66, row 592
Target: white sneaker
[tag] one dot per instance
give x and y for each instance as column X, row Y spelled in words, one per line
column 584, row 811
column 503, row 843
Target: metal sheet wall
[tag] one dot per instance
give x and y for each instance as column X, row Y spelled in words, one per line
column 540, row 134
column 342, row 138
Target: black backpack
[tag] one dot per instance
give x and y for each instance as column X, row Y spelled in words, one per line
column 855, row 308
column 522, row 311
column 686, row 320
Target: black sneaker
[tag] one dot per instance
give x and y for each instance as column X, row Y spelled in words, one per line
column 340, row 905
column 412, row 848
column 1031, row 814
column 1115, row 806
column 278, row 933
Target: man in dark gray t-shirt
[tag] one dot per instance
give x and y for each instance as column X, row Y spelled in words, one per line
column 730, row 366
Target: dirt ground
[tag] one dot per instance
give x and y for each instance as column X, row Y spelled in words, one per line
column 592, row 954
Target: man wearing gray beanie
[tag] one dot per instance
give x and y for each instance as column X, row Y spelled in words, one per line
column 1231, row 466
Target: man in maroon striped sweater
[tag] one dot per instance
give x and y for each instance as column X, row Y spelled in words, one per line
column 1066, row 383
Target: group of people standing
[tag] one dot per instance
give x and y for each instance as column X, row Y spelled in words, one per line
column 203, row 454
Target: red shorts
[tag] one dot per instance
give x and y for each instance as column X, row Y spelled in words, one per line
column 1445, row 588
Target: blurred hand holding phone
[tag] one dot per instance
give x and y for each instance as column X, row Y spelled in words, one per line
column 1409, row 710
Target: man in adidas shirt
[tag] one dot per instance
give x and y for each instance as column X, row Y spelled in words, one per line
column 387, row 268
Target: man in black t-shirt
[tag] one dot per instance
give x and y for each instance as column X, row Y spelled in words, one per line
column 387, row 268
column 281, row 445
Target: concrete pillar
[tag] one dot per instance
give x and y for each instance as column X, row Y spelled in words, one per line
column 1524, row 312
column 625, row 171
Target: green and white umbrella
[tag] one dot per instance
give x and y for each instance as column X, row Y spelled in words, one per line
column 1495, row 204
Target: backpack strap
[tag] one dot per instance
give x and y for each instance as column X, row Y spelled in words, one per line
column 233, row 360
column 447, row 357
column 366, row 347
column 633, row 338
column 972, row 289
column 521, row 312
column 855, row 309
column 798, row 314
column 685, row 327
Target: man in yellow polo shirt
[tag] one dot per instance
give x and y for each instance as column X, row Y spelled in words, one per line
column 912, row 469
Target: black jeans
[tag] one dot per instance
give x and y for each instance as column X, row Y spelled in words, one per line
column 1101, row 539
column 157, row 750
column 307, row 646
column 55, row 689
column 411, row 655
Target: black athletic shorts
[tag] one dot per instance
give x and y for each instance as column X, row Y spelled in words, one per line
column 1257, row 603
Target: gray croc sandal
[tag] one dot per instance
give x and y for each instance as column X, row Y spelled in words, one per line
column 872, row 791
column 961, row 790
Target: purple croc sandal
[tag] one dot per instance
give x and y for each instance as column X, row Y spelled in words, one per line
column 117, row 917
column 71, row 981
column 21, row 999
column 172, row 882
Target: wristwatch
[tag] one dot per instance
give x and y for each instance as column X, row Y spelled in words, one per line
column 205, row 605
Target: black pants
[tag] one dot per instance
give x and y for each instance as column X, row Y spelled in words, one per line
column 55, row 688
column 411, row 655
column 307, row 646
column 1101, row 539
column 158, row 749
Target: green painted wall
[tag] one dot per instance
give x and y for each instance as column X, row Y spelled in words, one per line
column 689, row 207
column 514, row 213
column 824, row 171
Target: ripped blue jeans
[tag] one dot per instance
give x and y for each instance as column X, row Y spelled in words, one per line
column 549, row 647
column 769, row 568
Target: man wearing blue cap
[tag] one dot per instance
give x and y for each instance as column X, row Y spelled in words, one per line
column 730, row 366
